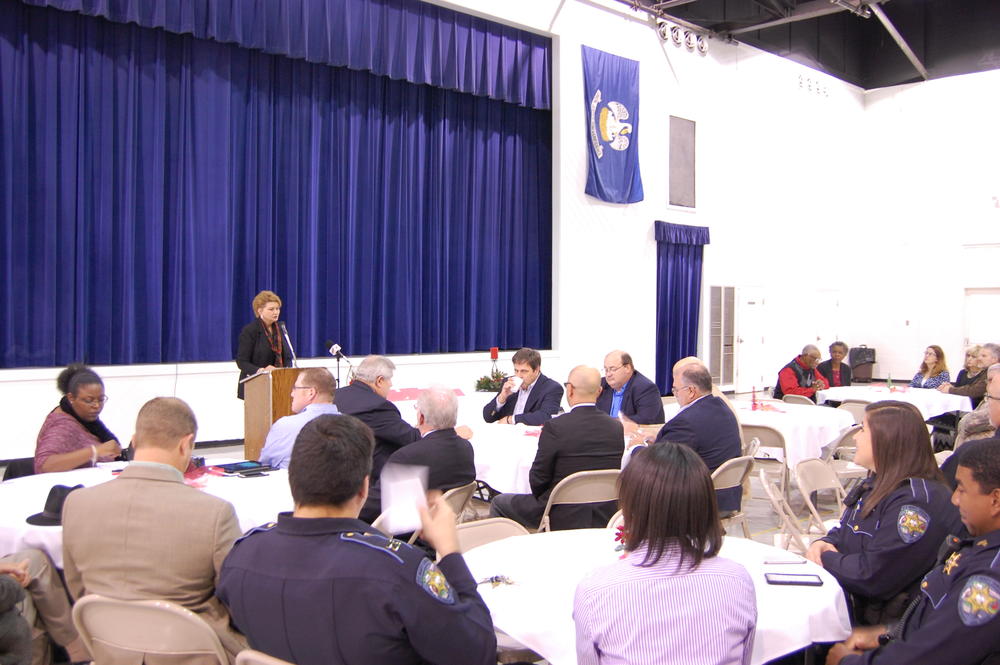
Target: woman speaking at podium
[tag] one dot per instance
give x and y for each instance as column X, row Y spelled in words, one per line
column 261, row 346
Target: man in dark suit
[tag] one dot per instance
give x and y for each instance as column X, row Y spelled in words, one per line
column 365, row 399
column 626, row 391
column 583, row 439
column 528, row 397
column 448, row 457
column 706, row 424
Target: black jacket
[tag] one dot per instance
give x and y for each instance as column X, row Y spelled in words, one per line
column 253, row 351
column 391, row 431
column 543, row 403
column 826, row 369
column 641, row 402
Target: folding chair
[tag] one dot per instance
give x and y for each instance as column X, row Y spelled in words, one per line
column 481, row 532
column 856, row 408
column 790, row 533
column 616, row 520
column 815, row 475
column 768, row 437
column 154, row 627
column 839, row 453
column 733, row 473
column 581, row 487
column 251, row 657
column 459, row 498
column 797, row 399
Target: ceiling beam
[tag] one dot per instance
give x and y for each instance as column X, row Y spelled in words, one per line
column 804, row 12
column 772, row 7
column 903, row 46
column 667, row 4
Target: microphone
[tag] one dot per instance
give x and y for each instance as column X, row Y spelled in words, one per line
column 284, row 331
column 333, row 349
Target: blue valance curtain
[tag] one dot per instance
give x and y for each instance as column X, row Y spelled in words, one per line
column 679, row 250
column 402, row 39
column 151, row 183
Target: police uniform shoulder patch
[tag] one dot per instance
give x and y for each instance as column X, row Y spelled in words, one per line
column 912, row 523
column 376, row 541
column 257, row 529
column 432, row 580
column 979, row 601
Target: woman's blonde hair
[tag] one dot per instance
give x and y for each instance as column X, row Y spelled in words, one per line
column 263, row 298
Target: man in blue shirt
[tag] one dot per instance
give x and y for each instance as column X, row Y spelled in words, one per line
column 312, row 396
column 627, row 392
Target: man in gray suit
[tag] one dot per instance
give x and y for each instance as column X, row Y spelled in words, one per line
column 147, row 535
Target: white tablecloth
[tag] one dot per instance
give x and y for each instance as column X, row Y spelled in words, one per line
column 537, row 610
column 504, row 454
column 256, row 500
column 930, row 402
column 806, row 428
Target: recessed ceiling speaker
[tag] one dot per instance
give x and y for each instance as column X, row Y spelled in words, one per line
column 690, row 39
column 676, row 36
column 702, row 44
column 663, row 30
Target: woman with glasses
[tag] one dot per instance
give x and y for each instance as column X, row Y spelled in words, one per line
column 895, row 521
column 670, row 600
column 73, row 435
column 933, row 370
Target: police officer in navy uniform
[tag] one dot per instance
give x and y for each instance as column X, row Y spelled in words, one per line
column 952, row 619
column 893, row 523
column 322, row 587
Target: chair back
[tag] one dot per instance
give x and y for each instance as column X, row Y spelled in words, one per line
column 815, row 475
column 751, row 447
column 459, row 497
column 856, row 408
column 582, row 487
column 18, row 468
column 251, row 657
column 843, row 444
column 480, row 532
column 790, row 530
column 155, row 627
column 732, row 473
column 616, row 520
column 797, row 399
column 768, row 437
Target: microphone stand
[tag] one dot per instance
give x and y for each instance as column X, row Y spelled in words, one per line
column 291, row 348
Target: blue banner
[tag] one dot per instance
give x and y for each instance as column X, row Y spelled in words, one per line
column 611, row 91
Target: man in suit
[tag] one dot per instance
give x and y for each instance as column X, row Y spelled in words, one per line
column 448, row 457
column 312, row 396
column 799, row 377
column 584, row 439
column 626, row 391
column 146, row 535
column 366, row 400
column 706, row 424
column 532, row 402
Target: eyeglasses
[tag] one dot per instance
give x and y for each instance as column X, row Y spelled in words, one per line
column 567, row 384
column 612, row 370
column 301, row 387
column 989, row 396
column 94, row 401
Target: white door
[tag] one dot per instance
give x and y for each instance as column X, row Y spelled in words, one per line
column 982, row 316
column 754, row 369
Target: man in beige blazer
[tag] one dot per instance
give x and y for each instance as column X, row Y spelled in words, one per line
column 147, row 535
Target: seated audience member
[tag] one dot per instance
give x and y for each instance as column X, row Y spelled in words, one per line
column 971, row 367
column 367, row 400
column 583, row 439
column 321, row 587
column 34, row 607
column 835, row 370
column 990, row 409
column 448, row 457
column 73, row 435
column 705, row 424
column 312, row 396
column 146, row 535
column 951, row 620
column 671, row 599
column 799, row 377
column 892, row 526
column 533, row 402
column 975, row 386
column 933, row 370
column 627, row 392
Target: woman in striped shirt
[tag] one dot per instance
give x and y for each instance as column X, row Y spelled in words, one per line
column 670, row 600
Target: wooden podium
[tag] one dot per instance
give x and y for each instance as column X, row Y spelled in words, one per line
column 267, row 397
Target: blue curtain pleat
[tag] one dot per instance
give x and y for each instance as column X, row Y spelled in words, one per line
column 151, row 183
column 403, row 39
column 679, row 250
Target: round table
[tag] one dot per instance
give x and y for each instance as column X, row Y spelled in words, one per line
column 537, row 609
column 257, row 500
column 504, row 454
column 930, row 402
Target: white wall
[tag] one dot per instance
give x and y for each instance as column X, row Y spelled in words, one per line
column 845, row 202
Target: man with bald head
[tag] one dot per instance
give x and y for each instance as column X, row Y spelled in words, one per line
column 448, row 457
column 627, row 392
column 799, row 377
column 582, row 439
column 146, row 535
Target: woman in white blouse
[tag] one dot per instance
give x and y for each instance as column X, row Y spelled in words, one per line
column 670, row 600
column 933, row 370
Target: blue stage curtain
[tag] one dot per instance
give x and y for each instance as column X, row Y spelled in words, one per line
column 403, row 39
column 152, row 183
column 679, row 251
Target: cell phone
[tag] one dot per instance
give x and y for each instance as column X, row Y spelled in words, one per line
column 255, row 473
column 240, row 467
column 793, row 579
